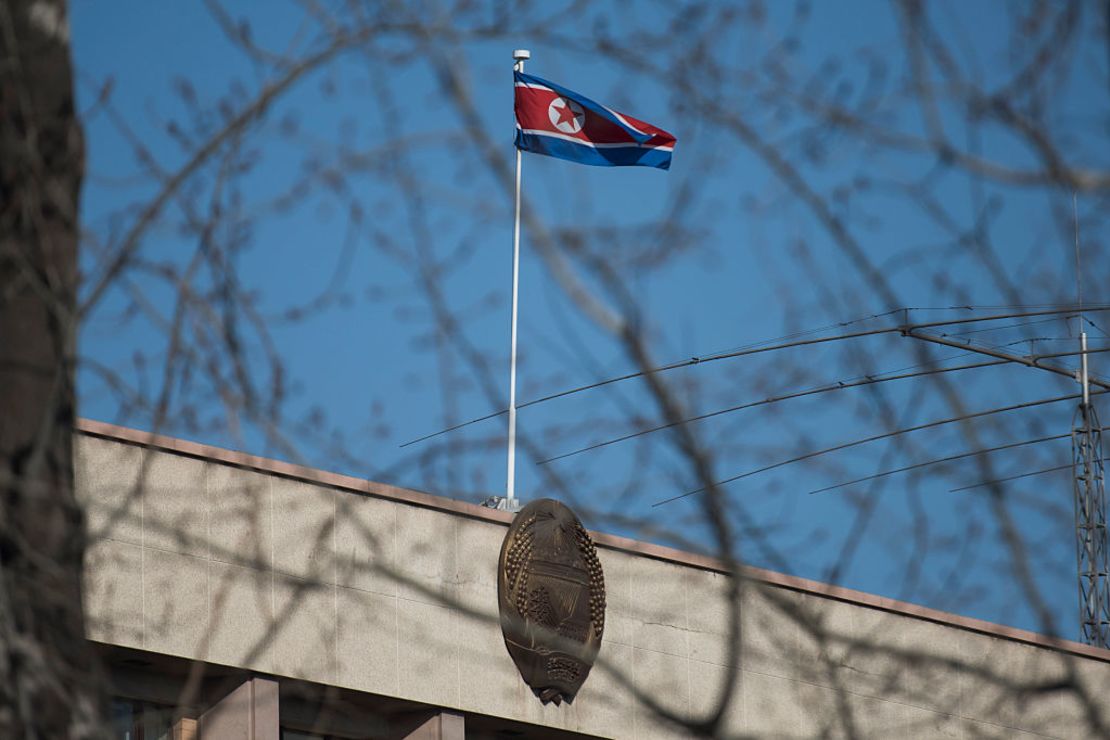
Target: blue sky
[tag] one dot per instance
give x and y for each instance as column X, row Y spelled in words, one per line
column 755, row 264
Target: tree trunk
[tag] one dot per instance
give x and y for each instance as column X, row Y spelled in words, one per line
column 48, row 680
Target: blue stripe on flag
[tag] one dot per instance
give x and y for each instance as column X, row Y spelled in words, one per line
column 610, row 156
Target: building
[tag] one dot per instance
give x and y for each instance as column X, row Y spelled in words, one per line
column 237, row 597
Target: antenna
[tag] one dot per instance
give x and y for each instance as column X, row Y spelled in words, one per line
column 1088, row 484
column 1078, row 271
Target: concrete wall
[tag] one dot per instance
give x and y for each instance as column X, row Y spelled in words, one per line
column 360, row 586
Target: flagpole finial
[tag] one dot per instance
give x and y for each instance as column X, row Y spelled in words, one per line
column 521, row 54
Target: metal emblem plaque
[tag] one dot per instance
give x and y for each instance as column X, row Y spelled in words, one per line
column 551, row 596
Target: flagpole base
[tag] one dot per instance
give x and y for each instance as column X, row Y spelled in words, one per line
column 502, row 504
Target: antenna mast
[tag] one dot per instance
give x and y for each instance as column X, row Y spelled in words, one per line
column 1092, row 556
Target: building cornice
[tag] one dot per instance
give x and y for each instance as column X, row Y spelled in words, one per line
column 613, row 542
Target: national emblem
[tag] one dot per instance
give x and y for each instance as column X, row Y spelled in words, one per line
column 551, row 596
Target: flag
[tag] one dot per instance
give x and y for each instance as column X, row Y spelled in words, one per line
column 558, row 122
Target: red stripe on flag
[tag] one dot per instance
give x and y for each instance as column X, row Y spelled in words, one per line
column 533, row 105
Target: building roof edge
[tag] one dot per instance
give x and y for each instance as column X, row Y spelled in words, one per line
column 659, row 552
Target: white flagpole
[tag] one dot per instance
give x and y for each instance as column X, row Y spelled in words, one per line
column 519, row 55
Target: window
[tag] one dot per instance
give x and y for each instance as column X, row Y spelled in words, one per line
column 141, row 720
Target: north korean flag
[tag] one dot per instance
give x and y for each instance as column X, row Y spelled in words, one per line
column 561, row 123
